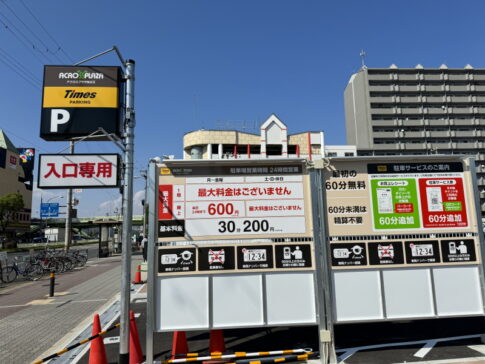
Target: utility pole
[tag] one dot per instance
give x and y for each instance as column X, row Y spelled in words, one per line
column 129, row 141
column 68, row 233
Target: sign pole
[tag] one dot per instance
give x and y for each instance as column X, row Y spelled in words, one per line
column 323, row 274
column 151, row 199
column 127, row 210
column 68, row 232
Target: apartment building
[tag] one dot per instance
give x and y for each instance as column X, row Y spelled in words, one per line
column 416, row 111
column 273, row 141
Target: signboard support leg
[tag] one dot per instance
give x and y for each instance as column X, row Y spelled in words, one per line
column 150, row 199
column 127, row 212
column 323, row 273
column 68, row 232
column 481, row 267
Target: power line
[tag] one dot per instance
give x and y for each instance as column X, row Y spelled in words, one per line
column 20, row 66
column 46, row 32
column 20, row 74
column 6, row 26
column 30, row 30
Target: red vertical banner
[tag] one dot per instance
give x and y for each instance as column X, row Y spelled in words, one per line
column 443, row 202
column 165, row 202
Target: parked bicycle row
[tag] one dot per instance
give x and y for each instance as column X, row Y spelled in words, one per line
column 34, row 267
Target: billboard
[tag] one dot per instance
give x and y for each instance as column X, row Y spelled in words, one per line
column 78, row 170
column 27, row 162
column 78, row 99
column 231, row 202
column 399, row 214
column 405, row 230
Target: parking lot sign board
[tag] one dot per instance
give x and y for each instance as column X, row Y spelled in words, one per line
column 77, row 100
column 78, row 170
column 234, row 212
column 241, row 201
column 415, row 214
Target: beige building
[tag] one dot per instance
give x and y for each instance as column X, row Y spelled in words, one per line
column 13, row 180
column 418, row 111
column 272, row 142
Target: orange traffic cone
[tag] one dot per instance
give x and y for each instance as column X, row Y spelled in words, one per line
column 136, row 354
column 179, row 344
column 216, row 342
column 138, row 275
column 97, row 352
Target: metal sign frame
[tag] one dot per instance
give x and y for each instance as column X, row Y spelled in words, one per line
column 321, row 278
column 474, row 214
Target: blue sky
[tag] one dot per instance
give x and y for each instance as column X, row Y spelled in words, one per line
column 200, row 62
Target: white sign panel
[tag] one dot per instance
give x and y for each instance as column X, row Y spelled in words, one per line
column 236, row 205
column 78, row 170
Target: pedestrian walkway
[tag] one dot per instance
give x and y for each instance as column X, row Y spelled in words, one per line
column 32, row 323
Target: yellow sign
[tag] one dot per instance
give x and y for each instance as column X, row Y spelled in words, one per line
column 80, row 97
column 165, row 171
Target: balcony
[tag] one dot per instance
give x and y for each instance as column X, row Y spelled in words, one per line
column 435, row 99
column 438, row 122
column 408, row 122
column 462, row 99
column 384, row 122
column 433, row 77
column 392, row 147
column 465, row 133
column 458, row 77
column 386, row 134
column 434, row 88
column 415, row 146
column 438, row 134
column 411, row 110
column 382, row 100
column 408, row 76
column 434, row 110
column 410, row 99
column 465, row 122
column 461, row 110
column 413, row 134
column 380, row 77
column 408, row 88
column 379, row 88
column 459, row 88
column 383, row 111
column 439, row 146
column 480, row 98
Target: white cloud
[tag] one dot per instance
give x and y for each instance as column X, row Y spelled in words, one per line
column 110, row 205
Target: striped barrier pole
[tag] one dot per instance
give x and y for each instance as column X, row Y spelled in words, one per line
column 73, row 346
column 191, row 357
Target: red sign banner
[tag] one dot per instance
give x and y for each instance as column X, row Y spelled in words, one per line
column 443, row 202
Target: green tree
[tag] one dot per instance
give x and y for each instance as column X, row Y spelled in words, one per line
column 9, row 205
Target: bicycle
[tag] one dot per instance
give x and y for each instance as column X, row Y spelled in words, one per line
column 30, row 271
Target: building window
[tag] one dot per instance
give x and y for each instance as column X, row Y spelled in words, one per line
column 292, row 149
column 349, row 154
column 274, row 149
column 331, row 154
